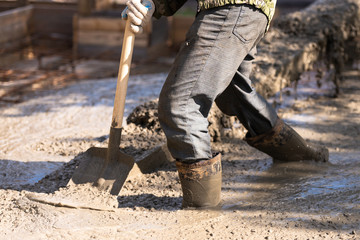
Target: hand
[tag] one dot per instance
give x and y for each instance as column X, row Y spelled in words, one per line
column 139, row 13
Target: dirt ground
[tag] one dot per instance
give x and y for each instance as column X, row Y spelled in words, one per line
column 44, row 134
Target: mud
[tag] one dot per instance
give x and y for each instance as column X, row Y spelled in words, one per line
column 43, row 137
column 260, row 200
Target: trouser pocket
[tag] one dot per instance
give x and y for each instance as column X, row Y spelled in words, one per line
column 250, row 25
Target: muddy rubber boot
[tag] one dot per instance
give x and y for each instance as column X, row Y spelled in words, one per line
column 201, row 183
column 284, row 144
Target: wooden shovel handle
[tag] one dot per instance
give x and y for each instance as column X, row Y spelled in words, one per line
column 123, row 77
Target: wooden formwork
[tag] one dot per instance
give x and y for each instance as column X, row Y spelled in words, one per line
column 14, row 27
column 102, row 35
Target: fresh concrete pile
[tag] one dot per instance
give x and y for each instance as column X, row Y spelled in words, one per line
column 327, row 31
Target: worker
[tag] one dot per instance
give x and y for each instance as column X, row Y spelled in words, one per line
column 214, row 65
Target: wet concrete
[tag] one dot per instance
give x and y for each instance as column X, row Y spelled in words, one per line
column 17, row 173
column 307, row 194
column 331, row 187
column 261, row 200
column 313, row 182
column 41, row 134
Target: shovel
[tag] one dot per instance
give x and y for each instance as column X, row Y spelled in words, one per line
column 108, row 168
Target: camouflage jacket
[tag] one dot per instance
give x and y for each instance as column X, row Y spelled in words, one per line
column 169, row 7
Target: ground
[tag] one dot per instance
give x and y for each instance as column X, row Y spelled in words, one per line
column 45, row 131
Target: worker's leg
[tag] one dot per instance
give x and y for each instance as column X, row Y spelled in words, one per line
column 241, row 99
column 216, row 44
column 266, row 131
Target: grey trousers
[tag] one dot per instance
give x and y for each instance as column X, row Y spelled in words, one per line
column 214, row 65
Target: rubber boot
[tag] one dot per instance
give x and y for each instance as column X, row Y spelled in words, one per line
column 201, row 183
column 284, row 144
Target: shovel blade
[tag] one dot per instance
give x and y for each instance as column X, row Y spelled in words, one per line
column 107, row 171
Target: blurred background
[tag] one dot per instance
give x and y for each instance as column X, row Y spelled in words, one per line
column 90, row 29
column 49, row 43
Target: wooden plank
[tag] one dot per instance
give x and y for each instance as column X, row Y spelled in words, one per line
column 14, row 24
column 15, row 15
column 101, row 23
column 108, row 52
column 13, row 32
column 105, row 23
column 100, row 37
column 85, row 7
column 22, row 2
column 11, row 19
column 17, row 11
column 103, row 4
column 56, row 19
column 107, row 38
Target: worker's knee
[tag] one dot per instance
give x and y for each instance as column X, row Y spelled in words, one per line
column 163, row 106
column 168, row 110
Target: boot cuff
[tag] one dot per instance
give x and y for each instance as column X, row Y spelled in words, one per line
column 200, row 169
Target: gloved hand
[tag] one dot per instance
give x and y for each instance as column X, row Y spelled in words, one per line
column 139, row 13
